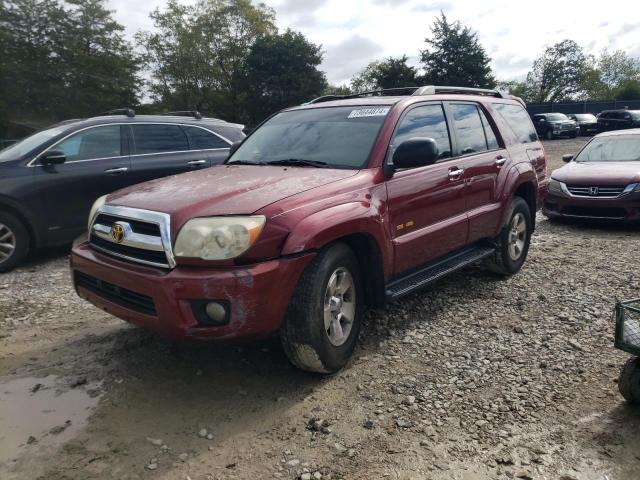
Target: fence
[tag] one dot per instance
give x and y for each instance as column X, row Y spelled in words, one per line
column 586, row 106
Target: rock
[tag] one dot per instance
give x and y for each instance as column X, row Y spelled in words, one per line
column 575, row 344
column 403, row 423
column 209, row 436
column 340, row 449
column 317, row 475
column 202, row 433
column 152, row 466
column 293, row 463
column 409, row 400
column 369, row 424
column 31, row 439
column 305, row 476
column 183, row 457
column 155, row 441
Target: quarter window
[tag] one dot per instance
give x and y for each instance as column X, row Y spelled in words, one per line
column 93, row 143
column 492, row 141
column 469, row 129
column 201, row 139
column 158, row 138
column 425, row 121
column 518, row 120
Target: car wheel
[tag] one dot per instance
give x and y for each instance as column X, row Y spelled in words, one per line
column 512, row 245
column 549, row 135
column 322, row 323
column 574, row 134
column 14, row 241
column 629, row 381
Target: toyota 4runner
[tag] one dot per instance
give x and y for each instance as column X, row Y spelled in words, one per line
column 326, row 208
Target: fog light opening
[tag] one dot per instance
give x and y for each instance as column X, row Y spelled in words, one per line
column 211, row 313
column 216, row 312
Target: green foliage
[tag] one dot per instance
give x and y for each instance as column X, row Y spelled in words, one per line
column 627, row 90
column 337, row 90
column 455, row 57
column 62, row 59
column 281, row 71
column 611, row 70
column 389, row 73
column 197, row 53
column 558, row 73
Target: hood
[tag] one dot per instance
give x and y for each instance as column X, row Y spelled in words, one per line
column 598, row 173
column 224, row 189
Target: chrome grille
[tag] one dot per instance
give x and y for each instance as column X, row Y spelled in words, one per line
column 140, row 236
column 596, row 190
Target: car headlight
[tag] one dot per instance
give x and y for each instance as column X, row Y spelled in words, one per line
column 555, row 187
column 94, row 209
column 218, row 238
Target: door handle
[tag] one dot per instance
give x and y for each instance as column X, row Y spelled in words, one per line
column 195, row 163
column 500, row 160
column 455, row 173
column 116, row 171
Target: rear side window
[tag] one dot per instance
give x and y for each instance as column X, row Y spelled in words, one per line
column 425, row 121
column 201, row 139
column 469, row 129
column 492, row 141
column 158, row 138
column 518, row 120
column 93, row 143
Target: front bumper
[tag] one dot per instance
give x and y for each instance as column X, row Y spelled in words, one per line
column 162, row 301
column 625, row 208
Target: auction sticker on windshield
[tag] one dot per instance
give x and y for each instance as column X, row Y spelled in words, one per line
column 369, row 112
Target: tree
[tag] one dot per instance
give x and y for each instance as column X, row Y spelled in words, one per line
column 454, row 56
column 627, row 90
column 558, row 73
column 611, row 70
column 197, row 53
column 389, row 73
column 281, row 70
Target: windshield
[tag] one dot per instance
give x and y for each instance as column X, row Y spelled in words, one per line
column 615, row 148
column 334, row 137
column 585, row 117
column 17, row 150
column 557, row 116
column 635, row 115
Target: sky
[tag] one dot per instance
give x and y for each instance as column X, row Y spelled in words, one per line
column 355, row 32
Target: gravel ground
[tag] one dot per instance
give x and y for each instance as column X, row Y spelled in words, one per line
column 474, row 378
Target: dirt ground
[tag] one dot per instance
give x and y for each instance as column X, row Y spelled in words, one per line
column 473, row 378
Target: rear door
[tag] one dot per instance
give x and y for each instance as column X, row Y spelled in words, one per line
column 97, row 163
column 426, row 204
column 481, row 158
column 207, row 144
column 161, row 149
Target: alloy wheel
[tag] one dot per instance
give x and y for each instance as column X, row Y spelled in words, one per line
column 7, row 242
column 517, row 236
column 339, row 306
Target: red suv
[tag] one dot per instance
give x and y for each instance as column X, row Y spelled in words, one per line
column 324, row 209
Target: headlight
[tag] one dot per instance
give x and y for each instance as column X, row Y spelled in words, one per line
column 94, row 208
column 218, row 238
column 555, row 186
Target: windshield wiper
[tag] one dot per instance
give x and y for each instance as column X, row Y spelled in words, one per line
column 245, row 162
column 298, row 162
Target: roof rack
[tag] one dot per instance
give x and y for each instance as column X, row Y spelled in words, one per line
column 129, row 112
column 185, row 113
column 412, row 91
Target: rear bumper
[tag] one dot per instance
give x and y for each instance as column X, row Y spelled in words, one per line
column 623, row 209
column 257, row 295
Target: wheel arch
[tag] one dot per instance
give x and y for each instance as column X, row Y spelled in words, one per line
column 12, row 207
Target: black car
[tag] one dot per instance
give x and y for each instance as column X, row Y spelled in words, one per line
column 49, row 180
column 587, row 123
column 618, row 120
column 552, row 125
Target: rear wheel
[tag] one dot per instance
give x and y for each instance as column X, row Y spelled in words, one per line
column 322, row 323
column 513, row 242
column 14, row 241
column 549, row 135
column 629, row 381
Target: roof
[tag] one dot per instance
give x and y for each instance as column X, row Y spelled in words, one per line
column 617, row 133
column 210, row 122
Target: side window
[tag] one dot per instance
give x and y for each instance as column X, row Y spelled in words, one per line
column 469, row 130
column 425, row 121
column 492, row 141
column 520, row 123
column 158, row 138
column 201, row 139
column 98, row 142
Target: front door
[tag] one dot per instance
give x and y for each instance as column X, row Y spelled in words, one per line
column 97, row 163
column 426, row 204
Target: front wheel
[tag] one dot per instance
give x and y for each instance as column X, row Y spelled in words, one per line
column 322, row 323
column 629, row 381
column 549, row 135
column 14, row 241
column 513, row 242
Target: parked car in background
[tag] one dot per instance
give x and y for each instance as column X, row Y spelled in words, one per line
column 49, row 180
column 553, row 125
column 587, row 123
column 325, row 208
column 618, row 120
column 602, row 182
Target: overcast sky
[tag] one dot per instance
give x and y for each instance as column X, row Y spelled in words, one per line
column 356, row 32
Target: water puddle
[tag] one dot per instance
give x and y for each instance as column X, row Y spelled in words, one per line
column 37, row 413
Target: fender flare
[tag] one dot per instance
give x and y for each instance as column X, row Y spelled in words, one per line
column 520, row 174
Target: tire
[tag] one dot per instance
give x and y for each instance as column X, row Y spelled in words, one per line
column 549, row 135
column 14, row 241
column 512, row 245
column 629, row 381
column 308, row 343
column 574, row 135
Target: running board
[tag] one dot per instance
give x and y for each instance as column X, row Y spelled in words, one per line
column 435, row 271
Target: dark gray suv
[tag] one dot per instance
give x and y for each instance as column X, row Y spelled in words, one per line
column 49, row 180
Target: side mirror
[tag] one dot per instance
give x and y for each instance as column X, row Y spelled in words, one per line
column 53, row 157
column 234, row 147
column 416, row 152
column 567, row 158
